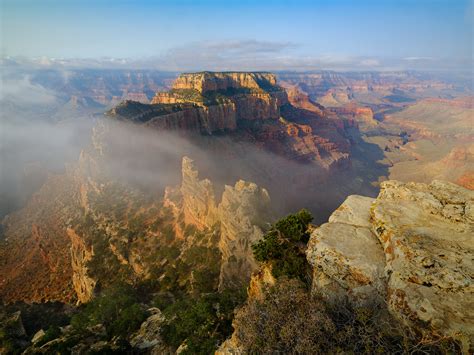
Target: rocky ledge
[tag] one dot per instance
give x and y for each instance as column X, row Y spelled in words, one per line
column 410, row 248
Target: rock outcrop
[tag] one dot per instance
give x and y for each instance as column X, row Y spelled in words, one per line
column 209, row 103
column 240, row 218
column 363, row 115
column 259, row 283
column 219, row 101
column 243, row 213
column 198, row 200
column 81, row 254
column 302, row 100
column 13, row 336
column 411, row 246
column 347, row 259
column 148, row 337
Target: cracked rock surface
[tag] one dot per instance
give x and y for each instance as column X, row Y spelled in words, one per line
column 412, row 246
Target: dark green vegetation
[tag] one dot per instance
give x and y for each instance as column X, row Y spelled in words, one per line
column 283, row 246
column 111, row 318
column 180, row 275
column 202, row 323
column 219, row 96
column 182, row 283
column 19, row 320
column 117, row 309
column 139, row 112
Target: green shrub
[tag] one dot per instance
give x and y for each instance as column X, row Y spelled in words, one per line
column 117, row 309
column 203, row 323
column 283, row 246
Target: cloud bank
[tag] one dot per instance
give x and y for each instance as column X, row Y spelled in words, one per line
column 251, row 55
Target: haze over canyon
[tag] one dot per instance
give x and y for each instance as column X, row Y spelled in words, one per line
column 184, row 178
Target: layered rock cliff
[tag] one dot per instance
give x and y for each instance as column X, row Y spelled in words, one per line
column 244, row 212
column 333, row 89
column 250, row 107
column 411, row 247
column 225, row 97
column 401, row 263
column 208, row 81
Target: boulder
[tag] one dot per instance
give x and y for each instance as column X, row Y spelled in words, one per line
column 38, row 335
column 148, row 336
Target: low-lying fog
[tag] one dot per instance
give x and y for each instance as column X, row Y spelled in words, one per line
column 32, row 142
column 33, row 146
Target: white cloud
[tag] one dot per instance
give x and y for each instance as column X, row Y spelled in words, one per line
column 418, row 58
column 370, row 63
column 24, row 91
column 250, row 54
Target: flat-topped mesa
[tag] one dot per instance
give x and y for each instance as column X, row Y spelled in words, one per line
column 250, row 106
column 211, row 81
column 209, row 102
column 207, row 89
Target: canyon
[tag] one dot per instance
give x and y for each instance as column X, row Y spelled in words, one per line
column 67, row 219
column 225, row 116
column 139, row 238
column 181, row 179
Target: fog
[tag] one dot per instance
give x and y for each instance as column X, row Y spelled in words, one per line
column 38, row 137
column 151, row 160
column 32, row 143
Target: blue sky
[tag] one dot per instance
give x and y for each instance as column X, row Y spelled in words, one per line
column 282, row 31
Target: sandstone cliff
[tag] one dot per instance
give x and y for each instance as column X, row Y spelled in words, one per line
column 412, row 247
column 250, row 107
column 81, row 254
column 239, row 219
column 244, row 212
column 229, row 97
column 209, row 102
column 209, row 81
column 198, row 200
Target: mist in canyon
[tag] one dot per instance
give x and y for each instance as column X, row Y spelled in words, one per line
column 151, row 160
column 33, row 146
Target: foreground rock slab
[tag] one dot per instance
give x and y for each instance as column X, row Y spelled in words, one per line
column 412, row 246
column 348, row 259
